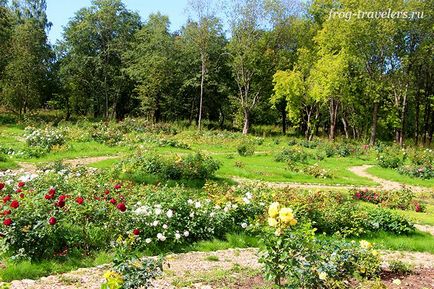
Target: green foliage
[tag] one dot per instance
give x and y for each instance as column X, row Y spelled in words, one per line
column 391, row 157
column 294, row 154
column 400, row 267
column 246, row 148
column 44, row 138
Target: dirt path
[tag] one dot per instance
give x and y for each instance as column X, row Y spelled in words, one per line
column 32, row 168
column 196, row 269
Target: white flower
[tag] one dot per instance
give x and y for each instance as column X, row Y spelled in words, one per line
column 323, row 276
column 148, row 240
column 186, row 233
column 192, row 215
column 396, row 282
column 212, row 214
column 157, row 211
column 169, row 214
column 246, row 200
column 161, row 237
column 249, row 195
column 244, row 225
column 165, row 226
column 197, row 205
column 177, row 236
column 234, row 206
column 190, row 201
column 155, row 223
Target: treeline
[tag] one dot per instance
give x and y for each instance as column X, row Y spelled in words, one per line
column 296, row 64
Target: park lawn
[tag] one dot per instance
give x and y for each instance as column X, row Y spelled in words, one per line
column 393, row 175
column 263, row 167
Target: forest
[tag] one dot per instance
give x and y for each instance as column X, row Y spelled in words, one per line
column 240, row 64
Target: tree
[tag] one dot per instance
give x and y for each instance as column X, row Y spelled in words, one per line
column 91, row 58
column 25, row 71
column 150, row 63
column 246, row 54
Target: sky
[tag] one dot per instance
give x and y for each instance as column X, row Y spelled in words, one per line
column 60, row 11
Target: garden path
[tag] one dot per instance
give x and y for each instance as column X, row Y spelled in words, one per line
column 191, row 270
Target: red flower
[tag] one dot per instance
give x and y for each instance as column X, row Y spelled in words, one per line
column 6, row 199
column 79, row 200
column 106, row 192
column 2, row 185
column 358, row 195
column 113, row 201
column 121, row 207
column 62, row 198
column 15, row 204
column 52, row 221
column 60, row 204
column 52, row 191
column 136, row 232
column 21, row 184
column 418, row 208
column 48, row 197
column 22, row 196
column 18, row 191
column 117, row 186
column 7, row 222
column 6, row 212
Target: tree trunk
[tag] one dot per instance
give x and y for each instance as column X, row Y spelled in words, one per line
column 374, row 124
column 283, row 121
column 334, row 105
column 246, row 122
column 416, row 132
column 202, row 80
column 344, row 122
column 403, row 118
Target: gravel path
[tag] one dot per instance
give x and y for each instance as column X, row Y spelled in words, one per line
column 190, row 267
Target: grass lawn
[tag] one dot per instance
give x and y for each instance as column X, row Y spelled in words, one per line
column 393, row 175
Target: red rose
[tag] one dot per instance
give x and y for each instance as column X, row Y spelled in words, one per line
column 79, row 200
column 118, row 186
column 6, row 212
column 18, row 191
column 6, row 199
column 136, row 232
column 121, row 207
column 7, row 222
column 48, row 197
column 113, row 201
column 22, row 196
column 52, row 221
column 52, row 191
column 106, row 192
column 60, row 204
column 2, row 185
column 21, row 184
column 62, row 198
column 15, row 204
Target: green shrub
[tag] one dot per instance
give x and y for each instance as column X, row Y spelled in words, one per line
column 295, row 154
column 44, row 138
column 400, row 267
column 391, row 157
column 246, row 149
column 317, row 172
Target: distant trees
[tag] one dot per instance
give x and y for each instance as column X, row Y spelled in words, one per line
column 282, row 62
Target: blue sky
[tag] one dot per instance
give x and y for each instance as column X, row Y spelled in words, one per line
column 60, row 11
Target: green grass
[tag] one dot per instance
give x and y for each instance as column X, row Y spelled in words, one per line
column 104, row 164
column 416, row 242
column 393, row 175
column 33, row 270
column 425, row 218
column 263, row 167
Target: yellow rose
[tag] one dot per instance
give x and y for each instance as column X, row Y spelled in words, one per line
column 272, row 222
column 273, row 210
column 375, row 252
column 293, row 222
column 365, row 244
column 286, row 215
column 323, row 276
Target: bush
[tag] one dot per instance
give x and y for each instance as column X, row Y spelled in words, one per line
column 399, row 199
column 294, row 257
column 294, row 154
column 187, row 167
column 380, row 219
column 399, row 267
column 44, row 138
column 419, row 171
column 246, row 149
column 391, row 157
column 317, row 172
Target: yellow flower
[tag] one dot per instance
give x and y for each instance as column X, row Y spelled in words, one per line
column 293, row 222
column 375, row 252
column 365, row 244
column 323, row 276
column 272, row 222
column 397, row 282
column 273, row 210
column 286, row 215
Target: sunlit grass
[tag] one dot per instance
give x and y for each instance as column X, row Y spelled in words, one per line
column 393, row 175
